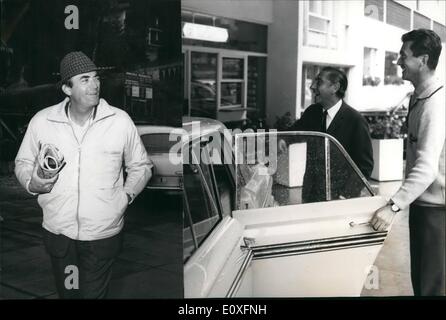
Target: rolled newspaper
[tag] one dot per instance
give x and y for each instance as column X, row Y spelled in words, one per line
column 51, row 161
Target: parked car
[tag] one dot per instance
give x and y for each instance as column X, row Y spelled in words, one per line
column 274, row 222
column 158, row 141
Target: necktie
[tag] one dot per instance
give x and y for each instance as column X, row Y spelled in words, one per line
column 324, row 121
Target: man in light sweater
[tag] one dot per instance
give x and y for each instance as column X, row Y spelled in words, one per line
column 423, row 189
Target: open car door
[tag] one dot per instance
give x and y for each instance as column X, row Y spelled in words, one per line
column 299, row 224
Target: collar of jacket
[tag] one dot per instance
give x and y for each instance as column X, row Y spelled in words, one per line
column 59, row 114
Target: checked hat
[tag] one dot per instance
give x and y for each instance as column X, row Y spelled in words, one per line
column 75, row 63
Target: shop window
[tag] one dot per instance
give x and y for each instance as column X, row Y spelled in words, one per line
column 227, row 85
column 309, row 72
column 370, row 68
column 232, row 82
column 391, row 73
column 203, row 94
column 227, row 88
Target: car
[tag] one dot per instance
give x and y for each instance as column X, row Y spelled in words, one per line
column 264, row 221
column 159, row 142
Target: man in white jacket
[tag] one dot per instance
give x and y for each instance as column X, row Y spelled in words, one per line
column 83, row 205
column 424, row 186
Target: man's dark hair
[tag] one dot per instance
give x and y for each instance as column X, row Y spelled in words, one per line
column 68, row 83
column 424, row 42
column 335, row 75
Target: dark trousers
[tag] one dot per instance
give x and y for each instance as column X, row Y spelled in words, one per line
column 427, row 226
column 82, row 269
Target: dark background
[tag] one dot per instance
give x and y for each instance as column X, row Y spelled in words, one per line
column 34, row 40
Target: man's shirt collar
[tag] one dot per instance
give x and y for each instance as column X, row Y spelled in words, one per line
column 333, row 110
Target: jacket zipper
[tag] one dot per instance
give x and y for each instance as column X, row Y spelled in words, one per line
column 79, row 173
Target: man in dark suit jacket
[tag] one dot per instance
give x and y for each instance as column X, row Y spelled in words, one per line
column 345, row 124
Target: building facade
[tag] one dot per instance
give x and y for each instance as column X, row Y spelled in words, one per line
column 275, row 48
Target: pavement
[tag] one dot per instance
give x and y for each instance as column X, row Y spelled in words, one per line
column 149, row 266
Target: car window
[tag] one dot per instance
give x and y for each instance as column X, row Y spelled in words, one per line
column 282, row 169
column 222, row 156
column 159, row 142
column 202, row 206
column 203, row 99
column 226, row 188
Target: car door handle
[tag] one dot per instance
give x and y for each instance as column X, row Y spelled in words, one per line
column 248, row 242
column 353, row 224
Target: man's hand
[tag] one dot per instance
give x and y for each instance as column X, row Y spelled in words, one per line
column 40, row 185
column 282, row 147
column 382, row 218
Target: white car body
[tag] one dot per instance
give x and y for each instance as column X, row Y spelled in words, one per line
column 319, row 249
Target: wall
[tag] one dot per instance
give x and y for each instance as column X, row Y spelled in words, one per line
column 371, row 35
column 347, row 54
column 286, row 52
column 259, row 11
column 430, row 8
column 282, row 69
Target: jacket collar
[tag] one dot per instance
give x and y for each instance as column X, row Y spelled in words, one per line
column 59, row 113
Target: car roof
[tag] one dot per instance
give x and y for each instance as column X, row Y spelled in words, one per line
column 152, row 129
column 205, row 126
